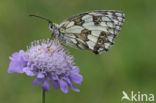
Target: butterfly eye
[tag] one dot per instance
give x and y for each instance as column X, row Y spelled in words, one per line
column 51, row 27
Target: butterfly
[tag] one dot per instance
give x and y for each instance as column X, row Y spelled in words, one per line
column 94, row 30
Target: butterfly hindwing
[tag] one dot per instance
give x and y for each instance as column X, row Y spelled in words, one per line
column 93, row 30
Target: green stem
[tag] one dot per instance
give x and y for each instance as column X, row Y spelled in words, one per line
column 43, row 96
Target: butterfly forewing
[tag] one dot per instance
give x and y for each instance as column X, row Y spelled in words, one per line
column 93, row 30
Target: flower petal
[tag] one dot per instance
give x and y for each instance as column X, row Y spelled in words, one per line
column 71, row 86
column 55, row 77
column 17, row 62
column 76, row 78
column 63, row 86
column 28, row 71
column 75, row 69
column 74, row 88
column 40, row 75
column 55, row 83
column 46, row 85
column 36, row 81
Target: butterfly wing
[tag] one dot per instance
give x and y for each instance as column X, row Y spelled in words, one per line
column 93, row 30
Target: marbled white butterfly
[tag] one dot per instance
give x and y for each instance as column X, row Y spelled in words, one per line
column 94, row 30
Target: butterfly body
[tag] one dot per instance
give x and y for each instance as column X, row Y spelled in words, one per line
column 94, row 31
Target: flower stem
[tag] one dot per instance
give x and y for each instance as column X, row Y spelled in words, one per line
column 43, row 96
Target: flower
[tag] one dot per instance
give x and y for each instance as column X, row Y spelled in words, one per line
column 48, row 61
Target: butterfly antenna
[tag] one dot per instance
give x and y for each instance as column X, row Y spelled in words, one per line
column 38, row 16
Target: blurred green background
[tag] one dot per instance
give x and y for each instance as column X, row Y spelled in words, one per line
column 129, row 65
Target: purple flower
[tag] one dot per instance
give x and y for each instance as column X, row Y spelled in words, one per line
column 49, row 62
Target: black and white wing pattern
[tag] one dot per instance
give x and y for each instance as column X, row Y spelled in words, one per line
column 93, row 30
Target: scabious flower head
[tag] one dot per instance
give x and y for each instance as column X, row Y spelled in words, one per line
column 48, row 61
